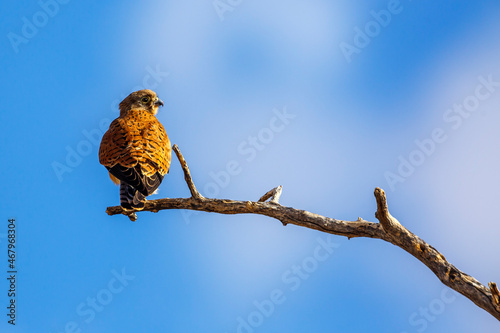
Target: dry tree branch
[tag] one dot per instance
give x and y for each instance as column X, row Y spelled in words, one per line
column 389, row 229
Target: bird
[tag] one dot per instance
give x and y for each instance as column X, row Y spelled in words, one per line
column 136, row 150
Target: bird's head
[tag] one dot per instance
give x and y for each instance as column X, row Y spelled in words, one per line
column 145, row 100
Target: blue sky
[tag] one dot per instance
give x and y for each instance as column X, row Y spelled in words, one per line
column 413, row 110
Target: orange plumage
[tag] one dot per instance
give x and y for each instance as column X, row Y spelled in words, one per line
column 136, row 149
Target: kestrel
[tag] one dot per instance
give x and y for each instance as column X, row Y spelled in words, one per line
column 136, row 149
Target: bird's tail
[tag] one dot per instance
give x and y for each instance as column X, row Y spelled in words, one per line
column 130, row 198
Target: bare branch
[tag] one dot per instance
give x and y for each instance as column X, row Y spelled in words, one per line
column 389, row 229
column 274, row 194
column 390, row 224
column 187, row 175
column 437, row 263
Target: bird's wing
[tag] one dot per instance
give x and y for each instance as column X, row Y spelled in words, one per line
column 156, row 153
column 119, row 153
column 116, row 145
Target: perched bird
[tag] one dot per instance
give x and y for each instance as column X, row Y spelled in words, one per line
column 136, row 149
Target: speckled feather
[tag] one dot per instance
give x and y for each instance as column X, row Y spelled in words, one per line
column 137, row 138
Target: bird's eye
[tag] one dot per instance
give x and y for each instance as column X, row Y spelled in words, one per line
column 145, row 99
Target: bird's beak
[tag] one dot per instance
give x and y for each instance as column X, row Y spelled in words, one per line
column 159, row 102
